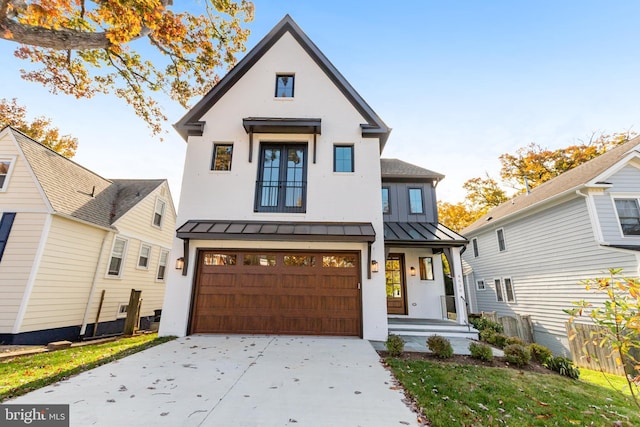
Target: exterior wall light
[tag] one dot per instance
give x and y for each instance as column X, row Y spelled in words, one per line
column 412, row 270
column 180, row 263
column 374, row 266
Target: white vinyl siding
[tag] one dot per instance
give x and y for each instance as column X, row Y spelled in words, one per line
column 549, row 255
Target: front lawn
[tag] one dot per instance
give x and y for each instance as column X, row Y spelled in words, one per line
column 23, row 374
column 468, row 395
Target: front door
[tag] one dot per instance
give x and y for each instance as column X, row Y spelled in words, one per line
column 396, row 289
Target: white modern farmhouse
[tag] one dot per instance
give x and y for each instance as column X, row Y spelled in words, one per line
column 281, row 226
column 529, row 255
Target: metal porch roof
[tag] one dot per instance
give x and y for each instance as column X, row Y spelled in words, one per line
column 421, row 234
column 280, row 231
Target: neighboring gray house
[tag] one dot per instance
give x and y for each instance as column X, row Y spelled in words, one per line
column 530, row 254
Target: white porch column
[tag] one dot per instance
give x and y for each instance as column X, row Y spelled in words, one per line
column 455, row 263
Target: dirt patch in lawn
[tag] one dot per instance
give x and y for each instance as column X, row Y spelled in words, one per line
column 497, row 362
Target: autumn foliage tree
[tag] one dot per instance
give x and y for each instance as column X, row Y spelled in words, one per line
column 40, row 129
column 83, row 48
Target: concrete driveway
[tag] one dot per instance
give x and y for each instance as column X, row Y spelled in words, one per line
column 217, row 380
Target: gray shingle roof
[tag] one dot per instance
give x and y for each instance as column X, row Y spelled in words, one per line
column 569, row 181
column 78, row 192
column 394, row 168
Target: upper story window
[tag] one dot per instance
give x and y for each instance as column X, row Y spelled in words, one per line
column 6, row 165
column 6, row 221
column 415, row 201
column 284, row 85
column 386, row 207
column 158, row 213
column 222, row 154
column 117, row 257
column 629, row 216
column 502, row 246
column 343, row 158
column 474, row 243
column 162, row 264
column 282, row 178
column 143, row 256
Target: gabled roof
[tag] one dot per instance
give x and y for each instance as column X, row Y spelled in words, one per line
column 75, row 191
column 566, row 183
column 374, row 127
column 397, row 169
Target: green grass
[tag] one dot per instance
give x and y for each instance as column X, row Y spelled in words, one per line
column 616, row 383
column 452, row 394
column 23, row 374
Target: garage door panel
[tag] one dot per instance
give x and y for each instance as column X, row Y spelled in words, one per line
column 288, row 294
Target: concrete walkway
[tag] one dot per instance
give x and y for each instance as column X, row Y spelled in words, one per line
column 236, row 381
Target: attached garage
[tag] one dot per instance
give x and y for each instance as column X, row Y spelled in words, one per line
column 277, row 292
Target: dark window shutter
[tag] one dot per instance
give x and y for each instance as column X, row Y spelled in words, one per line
column 6, row 221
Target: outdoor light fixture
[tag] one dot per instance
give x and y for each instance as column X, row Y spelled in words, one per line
column 374, row 266
column 413, row 271
column 180, row 263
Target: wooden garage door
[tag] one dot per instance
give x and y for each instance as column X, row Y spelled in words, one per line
column 277, row 293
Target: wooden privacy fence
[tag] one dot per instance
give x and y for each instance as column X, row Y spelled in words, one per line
column 519, row 326
column 588, row 355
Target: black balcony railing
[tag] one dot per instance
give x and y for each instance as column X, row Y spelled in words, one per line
column 281, row 196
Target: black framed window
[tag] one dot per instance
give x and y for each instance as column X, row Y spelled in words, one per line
column 6, row 221
column 415, row 201
column 343, row 158
column 386, row 207
column 284, row 85
column 282, row 178
column 222, row 154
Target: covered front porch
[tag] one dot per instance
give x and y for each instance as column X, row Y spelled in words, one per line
column 423, row 296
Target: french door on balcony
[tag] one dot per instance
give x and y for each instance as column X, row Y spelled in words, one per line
column 282, row 178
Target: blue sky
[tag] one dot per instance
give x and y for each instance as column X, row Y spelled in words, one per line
column 460, row 82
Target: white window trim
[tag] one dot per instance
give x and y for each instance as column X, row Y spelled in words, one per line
column 484, row 285
column 475, row 248
column 119, row 314
column 124, row 257
column 7, row 179
column 620, row 196
column 166, row 265
column 142, row 246
column 513, row 291
column 155, row 210
column 504, row 239
column 499, row 285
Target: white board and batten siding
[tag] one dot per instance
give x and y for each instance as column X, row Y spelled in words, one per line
column 547, row 256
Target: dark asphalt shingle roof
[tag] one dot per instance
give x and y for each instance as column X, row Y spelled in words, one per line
column 394, row 168
column 75, row 191
column 571, row 180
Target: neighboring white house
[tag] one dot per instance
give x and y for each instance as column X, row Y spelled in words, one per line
column 529, row 255
column 281, row 228
column 74, row 244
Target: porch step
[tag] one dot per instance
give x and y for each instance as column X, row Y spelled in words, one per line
column 446, row 330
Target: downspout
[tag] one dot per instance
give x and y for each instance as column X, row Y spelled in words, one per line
column 94, row 284
column 595, row 226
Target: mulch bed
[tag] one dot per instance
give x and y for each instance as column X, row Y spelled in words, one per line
column 497, row 362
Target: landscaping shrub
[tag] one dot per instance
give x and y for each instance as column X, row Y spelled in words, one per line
column 515, row 340
column 483, row 323
column 487, row 335
column 517, row 354
column 539, row 353
column 500, row 340
column 440, row 346
column 481, row 351
column 395, row 345
column 563, row 366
